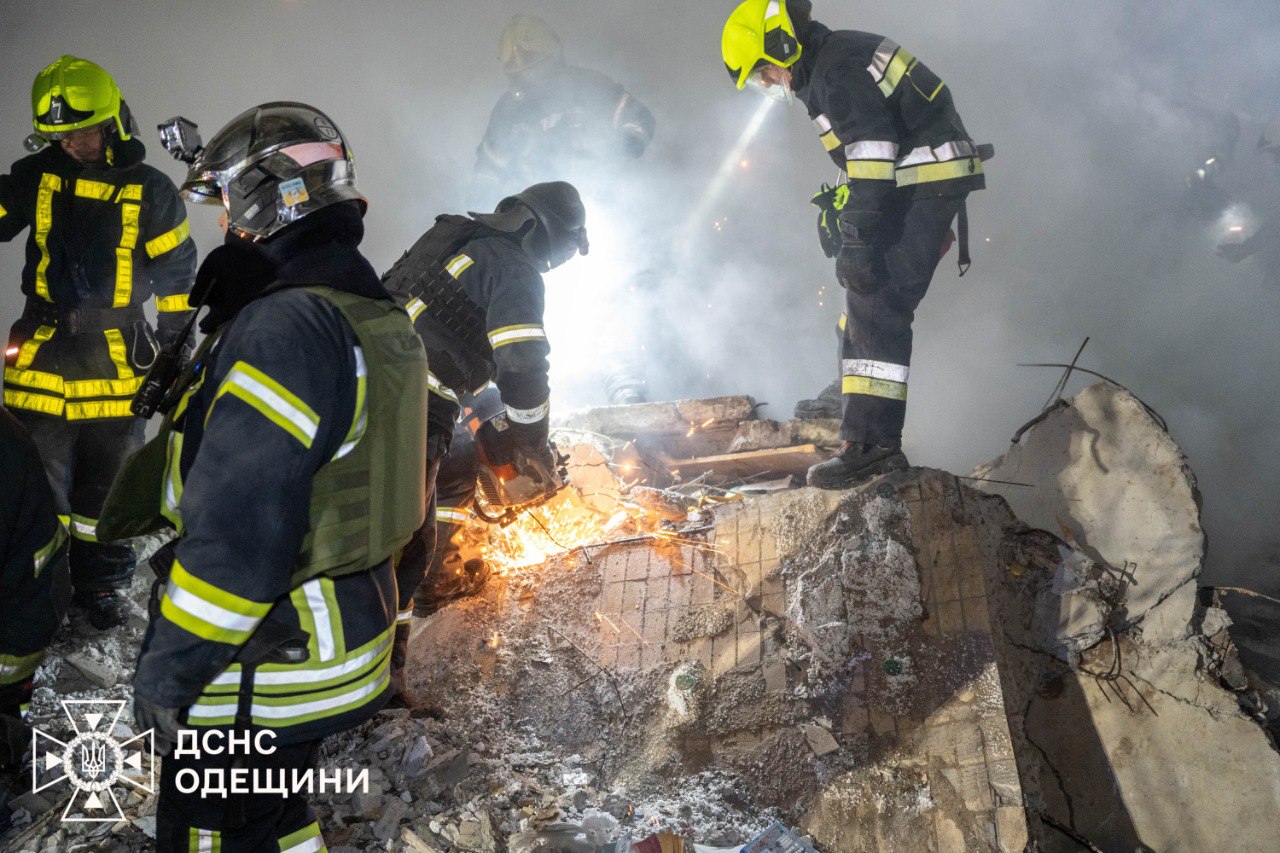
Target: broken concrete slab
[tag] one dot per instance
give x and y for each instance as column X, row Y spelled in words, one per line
column 767, row 435
column 1103, row 473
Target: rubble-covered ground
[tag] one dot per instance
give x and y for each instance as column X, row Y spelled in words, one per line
column 1013, row 660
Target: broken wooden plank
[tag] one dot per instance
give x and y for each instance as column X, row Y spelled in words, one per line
column 795, row 460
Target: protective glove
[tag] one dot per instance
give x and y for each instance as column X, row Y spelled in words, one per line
column 855, row 261
column 830, row 201
column 169, row 327
column 164, row 722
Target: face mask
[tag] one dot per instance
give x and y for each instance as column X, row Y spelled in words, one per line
column 776, row 91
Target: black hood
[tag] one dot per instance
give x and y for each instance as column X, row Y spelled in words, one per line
column 811, row 42
column 320, row 249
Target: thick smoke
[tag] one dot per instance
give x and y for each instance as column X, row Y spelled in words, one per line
column 1098, row 110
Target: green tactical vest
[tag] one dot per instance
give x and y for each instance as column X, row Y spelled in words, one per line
column 366, row 503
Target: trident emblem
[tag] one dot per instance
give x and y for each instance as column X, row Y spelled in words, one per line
column 93, row 758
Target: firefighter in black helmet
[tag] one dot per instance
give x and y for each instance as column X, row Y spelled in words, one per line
column 473, row 287
column 107, row 233
column 290, row 462
column 890, row 124
column 553, row 116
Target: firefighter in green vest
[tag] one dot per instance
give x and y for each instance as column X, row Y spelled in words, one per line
column 294, row 463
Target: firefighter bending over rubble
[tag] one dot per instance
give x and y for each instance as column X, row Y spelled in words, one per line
column 291, row 463
column 473, row 287
column 891, row 126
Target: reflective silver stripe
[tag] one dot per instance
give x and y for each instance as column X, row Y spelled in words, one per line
column 310, row 845
column 774, row 10
column 529, row 416
column 415, row 307
column 880, row 62
column 516, row 335
column 942, row 154
column 320, row 613
column 273, row 401
column 204, row 840
column 453, row 516
column 876, row 369
column 404, row 616
column 308, row 676
column 285, row 712
column 871, row 150
column 362, row 418
column 207, row 611
column 823, row 123
column 459, row 265
column 437, row 387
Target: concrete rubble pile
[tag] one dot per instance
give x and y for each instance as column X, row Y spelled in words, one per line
column 1013, row 660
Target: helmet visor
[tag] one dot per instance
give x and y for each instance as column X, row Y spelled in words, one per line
column 759, row 82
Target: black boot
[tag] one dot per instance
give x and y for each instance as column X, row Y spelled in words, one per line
column 437, row 591
column 105, row 608
column 825, row 405
column 854, row 462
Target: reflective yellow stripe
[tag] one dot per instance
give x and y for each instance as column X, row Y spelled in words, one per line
column 100, row 409
column 115, row 345
column 458, row 265
column 28, row 352
column 929, row 172
column 49, row 184
column 844, row 321
column 41, row 558
column 870, row 170
column 179, row 302
column 130, row 192
column 830, row 141
column 415, row 307
column 82, row 388
column 129, row 215
column 437, row 387
column 169, row 240
column 272, row 400
column 94, row 189
column 18, row 668
column 516, row 334
column 42, row 403
column 874, row 387
column 3, row 212
column 305, row 840
column 902, row 63
column 38, row 379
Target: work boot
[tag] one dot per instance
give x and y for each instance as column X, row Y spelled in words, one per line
column 855, row 462
column 104, row 607
column 468, row 581
column 825, row 405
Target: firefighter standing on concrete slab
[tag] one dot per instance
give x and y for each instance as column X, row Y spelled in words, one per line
column 107, row 232
column 31, row 543
column 553, row 116
column 293, row 469
column 473, row 286
column 890, row 124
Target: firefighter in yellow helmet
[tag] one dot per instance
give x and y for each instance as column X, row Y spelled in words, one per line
column 908, row 163
column 553, row 117
column 106, row 233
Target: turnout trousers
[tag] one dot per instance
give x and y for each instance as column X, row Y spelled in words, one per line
column 82, row 460
column 875, row 337
column 237, row 823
